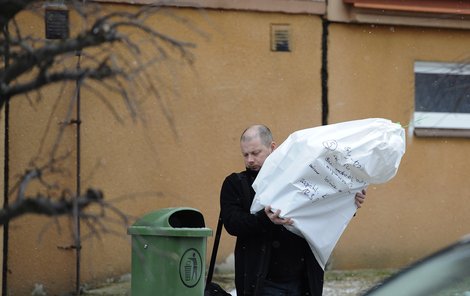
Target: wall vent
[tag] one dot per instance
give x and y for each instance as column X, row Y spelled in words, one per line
column 280, row 37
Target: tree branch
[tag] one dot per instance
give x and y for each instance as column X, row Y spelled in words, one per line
column 41, row 205
column 103, row 71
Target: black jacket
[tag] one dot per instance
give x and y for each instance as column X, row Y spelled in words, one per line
column 255, row 234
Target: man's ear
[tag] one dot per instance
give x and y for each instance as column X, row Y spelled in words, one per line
column 273, row 146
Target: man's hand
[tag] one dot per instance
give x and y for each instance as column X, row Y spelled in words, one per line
column 274, row 217
column 360, row 198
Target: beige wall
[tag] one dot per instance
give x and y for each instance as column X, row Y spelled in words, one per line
column 425, row 206
column 39, row 247
column 235, row 81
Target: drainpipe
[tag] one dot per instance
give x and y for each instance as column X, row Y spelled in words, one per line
column 6, row 169
column 324, row 72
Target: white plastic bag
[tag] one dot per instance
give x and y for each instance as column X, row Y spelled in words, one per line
column 313, row 176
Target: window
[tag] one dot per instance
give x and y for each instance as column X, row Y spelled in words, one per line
column 442, row 99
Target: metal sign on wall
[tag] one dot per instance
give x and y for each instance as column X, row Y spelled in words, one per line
column 57, row 22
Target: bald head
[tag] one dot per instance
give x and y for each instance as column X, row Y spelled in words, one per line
column 257, row 131
column 256, row 144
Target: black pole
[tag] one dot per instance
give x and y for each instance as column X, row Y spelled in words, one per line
column 6, row 168
column 76, row 212
column 324, row 72
column 218, row 233
column 78, row 242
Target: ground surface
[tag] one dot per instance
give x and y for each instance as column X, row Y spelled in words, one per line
column 337, row 283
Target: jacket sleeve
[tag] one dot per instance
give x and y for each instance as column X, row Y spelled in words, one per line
column 235, row 207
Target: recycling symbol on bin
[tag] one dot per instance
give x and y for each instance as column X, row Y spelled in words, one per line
column 190, row 268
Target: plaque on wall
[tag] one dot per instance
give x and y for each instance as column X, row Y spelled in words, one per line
column 57, row 23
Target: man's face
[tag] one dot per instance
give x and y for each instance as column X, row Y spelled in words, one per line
column 255, row 153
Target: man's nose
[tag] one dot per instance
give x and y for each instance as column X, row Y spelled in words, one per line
column 251, row 158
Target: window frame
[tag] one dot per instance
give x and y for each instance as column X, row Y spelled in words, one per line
column 441, row 124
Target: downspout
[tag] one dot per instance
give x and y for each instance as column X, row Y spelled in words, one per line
column 324, row 72
column 6, row 168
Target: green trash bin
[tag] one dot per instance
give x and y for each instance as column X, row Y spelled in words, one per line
column 169, row 253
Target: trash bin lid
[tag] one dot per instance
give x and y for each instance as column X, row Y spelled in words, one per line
column 171, row 222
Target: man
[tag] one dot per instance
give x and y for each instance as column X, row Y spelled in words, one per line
column 269, row 259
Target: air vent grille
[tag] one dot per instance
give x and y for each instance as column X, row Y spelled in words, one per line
column 281, row 37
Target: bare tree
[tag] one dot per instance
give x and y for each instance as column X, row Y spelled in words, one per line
column 101, row 50
column 31, row 63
